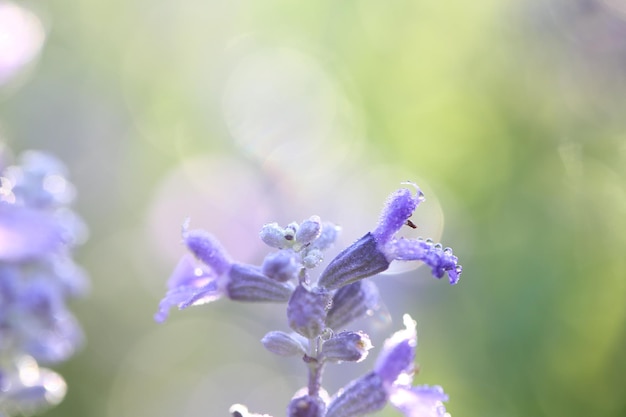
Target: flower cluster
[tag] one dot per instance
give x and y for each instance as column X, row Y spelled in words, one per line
column 38, row 232
column 318, row 310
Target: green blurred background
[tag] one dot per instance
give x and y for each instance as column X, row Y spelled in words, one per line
column 510, row 114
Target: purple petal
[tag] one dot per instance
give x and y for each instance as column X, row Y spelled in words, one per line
column 440, row 260
column 186, row 296
column 188, row 274
column 206, row 248
column 420, row 401
column 399, row 207
column 26, row 233
column 398, row 353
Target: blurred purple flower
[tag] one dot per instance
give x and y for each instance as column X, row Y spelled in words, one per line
column 38, row 231
column 26, row 234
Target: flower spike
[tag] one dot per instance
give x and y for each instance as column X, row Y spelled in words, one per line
column 318, row 311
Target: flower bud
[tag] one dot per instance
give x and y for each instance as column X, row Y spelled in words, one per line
column 347, row 346
column 281, row 266
column 312, row 258
column 273, row 235
column 306, row 406
column 247, row 283
column 239, row 410
column 327, row 236
column 306, row 310
column 309, row 230
column 360, row 260
column 283, row 344
column 351, row 302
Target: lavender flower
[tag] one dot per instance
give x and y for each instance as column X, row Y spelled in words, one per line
column 374, row 252
column 391, row 381
column 215, row 277
column 38, row 233
column 316, row 309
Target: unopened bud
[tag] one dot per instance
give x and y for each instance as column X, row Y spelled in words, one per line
column 306, row 406
column 273, row 235
column 283, row 344
column 281, row 266
column 309, row 230
column 347, row 346
column 306, row 310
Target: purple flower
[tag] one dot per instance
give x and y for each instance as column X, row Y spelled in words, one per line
column 374, row 252
column 391, row 381
column 317, row 310
column 394, row 366
column 186, row 282
column 194, row 283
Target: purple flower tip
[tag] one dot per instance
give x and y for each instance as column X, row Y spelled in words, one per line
column 399, row 207
column 207, row 249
